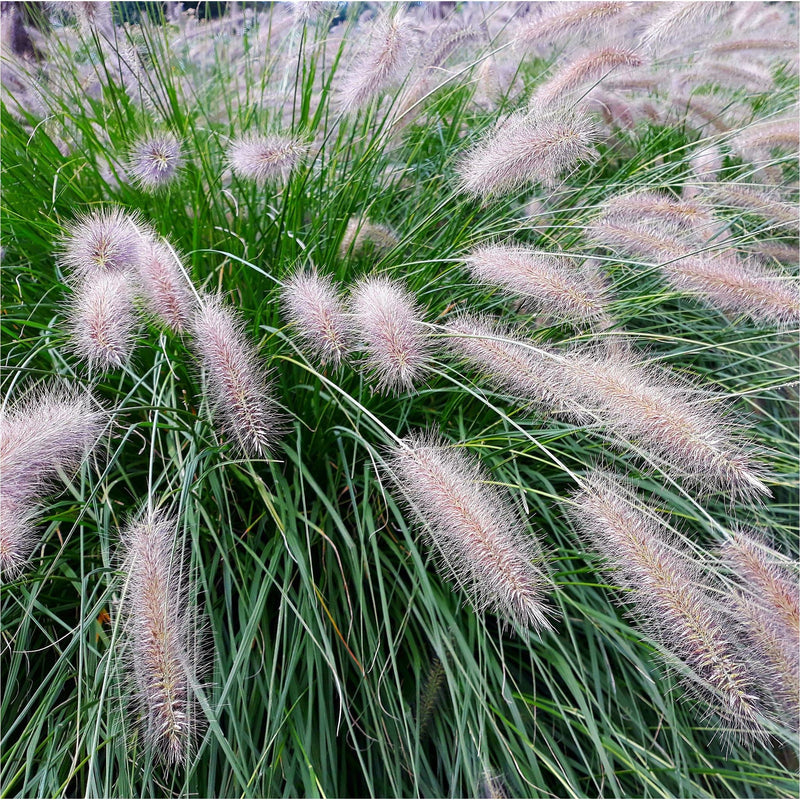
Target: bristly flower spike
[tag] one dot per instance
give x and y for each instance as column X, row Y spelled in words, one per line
column 160, row 632
column 101, row 320
column 155, row 161
column 527, row 148
column 49, row 432
column 549, row 282
column 670, row 598
column 316, row 310
column 480, row 539
column 240, row 393
column 109, row 240
column 388, row 324
column 165, row 286
column 382, row 61
column 265, row 159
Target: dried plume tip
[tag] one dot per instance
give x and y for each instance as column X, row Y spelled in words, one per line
column 655, row 206
column 155, row 161
column 388, row 324
column 315, row 308
column 166, row 289
column 549, row 282
column 266, row 159
column 47, row 433
column 527, row 148
column 482, row 542
column 101, row 320
column 160, row 633
column 240, row 393
column 670, row 599
column 384, row 59
column 362, row 235
column 109, row 240
column 768, row 607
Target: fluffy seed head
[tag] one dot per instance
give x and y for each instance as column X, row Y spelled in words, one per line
column 768, row 606
column 757, row 142
column 155, row 160
column 266, row 159
column 481, row 541
column 361, row 235
column 669, row 597
column 665, row 417
column 236, row 381
column 383, row 60
column 165, row 286
column 102, row 321
column 646, row 205
column 48, row 432
column 588, row 69
column 739, row 287
column 388, row 323
column 525, row 149
column 315, row 309
column 160, row 635
column 505, row 360
column 109, row 240
column 550, row 283
column 572, row 20
column 754, row 201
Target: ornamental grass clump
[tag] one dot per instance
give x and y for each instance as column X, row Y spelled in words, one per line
column 387, row 324
column 235, row 378
column 481, row 542
column 160, row 636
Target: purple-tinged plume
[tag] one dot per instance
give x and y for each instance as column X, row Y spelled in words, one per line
column 665, row 417
column 590, row 68
column 165, row 287
column 240, row 394
column 266, row 159
column 670, row 598
column 550, row 283
column 768, row 606
column 383, row 60
column 102, row 321
column 480, row 539
column 160, row 632
column 572, row 20
column 527, row 148
column 361, row 236
column 316, row 311
column 109, row 240
column 155, row 161
column 48, row 433
column 388, row 324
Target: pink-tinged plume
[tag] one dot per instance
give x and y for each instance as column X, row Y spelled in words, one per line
column 670, row 599
column 266, row 159
column 388, row 324
column 160, row 633
column 315, row 309
column 480, row 539
column 240, row 394
column 155, row 161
